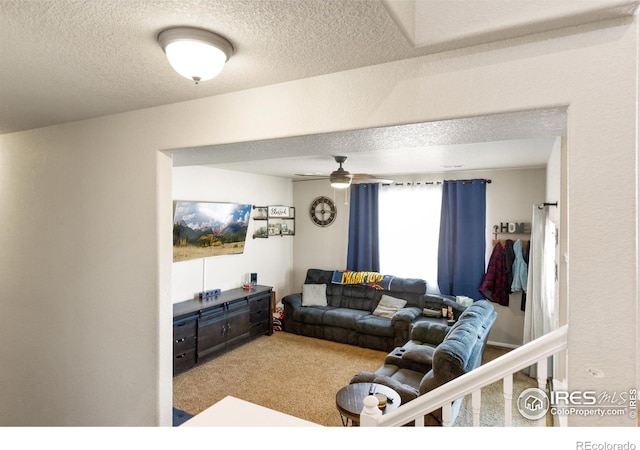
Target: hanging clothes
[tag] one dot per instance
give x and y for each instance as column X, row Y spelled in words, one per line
column 495, row 286
column 520, row 270
column 509, row 257
column 526, row 249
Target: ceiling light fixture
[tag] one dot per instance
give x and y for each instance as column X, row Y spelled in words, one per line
column 196, row 54
column 340, row 178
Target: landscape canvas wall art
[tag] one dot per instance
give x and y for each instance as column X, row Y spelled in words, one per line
column 203, row 229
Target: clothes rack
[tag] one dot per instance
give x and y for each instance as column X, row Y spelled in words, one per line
column 504, row 241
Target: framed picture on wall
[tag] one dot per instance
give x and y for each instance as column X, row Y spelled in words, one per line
column 282, row 221
column 260, row 230
column 203, row 229
column 260, row 213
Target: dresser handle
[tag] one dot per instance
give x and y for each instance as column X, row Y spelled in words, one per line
column 181, row 356
column 180, row 340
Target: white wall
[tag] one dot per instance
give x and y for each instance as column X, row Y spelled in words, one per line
column 92, row 303
column 270, row 258
column 318, row 247
column 510, row 198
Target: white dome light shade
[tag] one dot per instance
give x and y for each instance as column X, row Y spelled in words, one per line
column 195, row 54
column 340, row 184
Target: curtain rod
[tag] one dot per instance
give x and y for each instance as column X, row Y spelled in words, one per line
column 409, row 183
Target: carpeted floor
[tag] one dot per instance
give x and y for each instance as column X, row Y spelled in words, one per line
column 300, row 376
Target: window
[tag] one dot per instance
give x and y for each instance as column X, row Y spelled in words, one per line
column 409, row 227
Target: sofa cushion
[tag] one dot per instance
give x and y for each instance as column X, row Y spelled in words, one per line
column 429, row 331
column 311, row 315
column 314, row 295
column 479, row 312
column 406, row 391
column 375, row 326
column 391, row 377
column 419, row 357
column 318, row 276
column 343, row 317
column 408, row 285
column 422, row 354
column 334, row 295
column 359, row 297
column 461, row 350
column 452, row 358
column 388, row 306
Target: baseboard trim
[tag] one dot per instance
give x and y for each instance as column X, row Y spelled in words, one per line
column 502, row 344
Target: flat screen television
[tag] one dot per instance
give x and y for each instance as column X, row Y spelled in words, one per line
column 204, row 229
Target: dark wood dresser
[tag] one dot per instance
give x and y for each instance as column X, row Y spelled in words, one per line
column 205, row 328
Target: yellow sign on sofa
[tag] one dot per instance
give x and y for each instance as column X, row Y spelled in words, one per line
column 371, row 279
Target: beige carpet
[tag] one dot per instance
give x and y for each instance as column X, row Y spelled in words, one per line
column 300, row 376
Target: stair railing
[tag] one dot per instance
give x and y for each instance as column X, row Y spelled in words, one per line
column 503, row 367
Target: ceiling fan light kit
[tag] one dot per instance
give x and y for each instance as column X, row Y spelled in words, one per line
column 194, row 53
column 340, row 178
column 340, row 184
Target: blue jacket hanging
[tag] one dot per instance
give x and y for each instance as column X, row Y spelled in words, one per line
column 520, row 269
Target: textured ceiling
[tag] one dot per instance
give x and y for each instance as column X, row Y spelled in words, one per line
column 102, row 57
column 68, row 60
column 514, row 140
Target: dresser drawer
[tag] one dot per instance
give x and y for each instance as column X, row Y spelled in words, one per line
column 183, row 344
column 184, row 361
column 259, row 328
column 260, row 302
column 184, row 328
column 259, row 315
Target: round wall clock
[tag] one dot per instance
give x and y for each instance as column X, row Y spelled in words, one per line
column 323, row 211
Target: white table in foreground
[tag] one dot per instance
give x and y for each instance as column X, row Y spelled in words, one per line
column 233, row 412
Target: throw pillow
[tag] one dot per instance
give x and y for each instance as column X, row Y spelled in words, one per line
column 388, row 306
column 314, row 295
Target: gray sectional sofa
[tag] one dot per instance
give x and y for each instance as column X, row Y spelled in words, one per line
column 435, row 354
column 350, row 313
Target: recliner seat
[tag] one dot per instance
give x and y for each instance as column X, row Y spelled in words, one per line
column 435, row 355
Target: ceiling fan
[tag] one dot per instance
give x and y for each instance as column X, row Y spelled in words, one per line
column 342, row 179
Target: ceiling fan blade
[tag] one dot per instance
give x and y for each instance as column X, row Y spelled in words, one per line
column 317, row 176
column 343, row 175
column 366, row 178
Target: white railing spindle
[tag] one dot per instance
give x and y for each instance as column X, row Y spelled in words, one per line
column 476, row 400
column 541, row 374
column 507, row 393
column 486, row 374
column 446, row 415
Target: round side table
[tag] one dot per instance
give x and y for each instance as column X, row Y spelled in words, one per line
column 350, row 400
